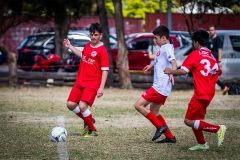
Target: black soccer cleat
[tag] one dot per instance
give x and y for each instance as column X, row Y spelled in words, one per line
column 168, row 140
column 159, row 132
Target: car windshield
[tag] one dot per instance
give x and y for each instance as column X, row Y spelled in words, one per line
column 37, row 41
column 78, row 42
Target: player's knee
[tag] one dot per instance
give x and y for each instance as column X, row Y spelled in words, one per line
column 71, row 105
column 136, row 106
column 188, row 122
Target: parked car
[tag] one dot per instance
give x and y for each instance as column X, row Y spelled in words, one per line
column 181, row 33
column 112, row 36
column 230, row 53
column 45, row 43
column 137, row 45
column 2, row 58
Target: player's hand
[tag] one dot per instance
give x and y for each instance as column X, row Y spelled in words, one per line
column 147, row 69
column 167, row 70
column 171, row 79
column 66, row 43
column 100, row 92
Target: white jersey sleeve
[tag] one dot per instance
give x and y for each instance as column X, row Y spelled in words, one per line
column 169, row 52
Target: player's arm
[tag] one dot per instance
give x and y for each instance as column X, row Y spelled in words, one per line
column 67, row 44
column 150, row 54
column 174, row 67
column 219, row 55
column 219, row 47
column 175, row 72
column 148, row 68
column 103, row 82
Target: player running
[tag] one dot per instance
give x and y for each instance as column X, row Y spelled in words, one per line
column 162, row 86
column 205, row 70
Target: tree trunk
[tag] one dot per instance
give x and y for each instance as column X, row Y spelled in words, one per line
column 122, row 61
column 102, row 13
column 11, row 59
column 61, row 28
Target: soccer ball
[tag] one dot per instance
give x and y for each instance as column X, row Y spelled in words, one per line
column 58, row 134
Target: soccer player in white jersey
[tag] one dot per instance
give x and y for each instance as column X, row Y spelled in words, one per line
column 162, row 85
column 205, row 70
column 91, row 78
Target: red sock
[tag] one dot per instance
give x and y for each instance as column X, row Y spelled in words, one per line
column 208, row 127
column 199, row 136
column 89, row 121
column 79, row 115
column 168, row 133
column 153, row 119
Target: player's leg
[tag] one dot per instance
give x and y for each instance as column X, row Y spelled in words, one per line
column 148, row 96
column 194, row 112
column 170, row 138
column 73, row 100
column 73, row 105
column 87, row 99
column 140, row 106
column 197, row 108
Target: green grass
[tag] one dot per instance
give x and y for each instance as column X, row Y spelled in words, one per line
column 27, row 115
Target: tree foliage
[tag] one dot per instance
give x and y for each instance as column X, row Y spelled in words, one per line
column 137, row 8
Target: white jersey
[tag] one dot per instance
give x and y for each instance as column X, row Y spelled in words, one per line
column 161, row 81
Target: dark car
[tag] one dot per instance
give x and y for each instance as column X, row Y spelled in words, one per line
column 137, row 45
column 45, row 43
column 2, row 58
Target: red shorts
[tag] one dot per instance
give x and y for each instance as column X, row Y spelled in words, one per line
column 151, row 95
column 196, row 108
column 78, row 94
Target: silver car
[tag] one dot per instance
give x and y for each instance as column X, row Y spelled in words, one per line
column 231, row 53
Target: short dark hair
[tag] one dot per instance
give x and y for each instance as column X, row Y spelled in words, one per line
column 212, row 26
column 161, row 31
column 201, row 36
column 95, row 27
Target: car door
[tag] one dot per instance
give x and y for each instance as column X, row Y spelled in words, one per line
column 231, row 55
column 137, row 54
column 234, row 54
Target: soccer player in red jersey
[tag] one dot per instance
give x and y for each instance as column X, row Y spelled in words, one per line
column 205, row 71
column 91, row 78
column 162, row 86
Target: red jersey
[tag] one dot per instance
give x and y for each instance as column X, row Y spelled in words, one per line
column 205, row 71
column 94, row 60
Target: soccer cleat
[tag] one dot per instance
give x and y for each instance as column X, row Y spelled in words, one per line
column 85, row 128
column 199, row 147
column 159, row 132
column 91, row 134
column 168, row 140
column 220, row 134
column 225, row 90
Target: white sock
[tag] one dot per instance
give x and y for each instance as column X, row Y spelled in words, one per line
column 76, row 110
column 196, row 124
column 86, row 113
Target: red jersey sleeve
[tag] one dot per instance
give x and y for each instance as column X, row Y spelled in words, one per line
column 190, row 61
column 104, row 60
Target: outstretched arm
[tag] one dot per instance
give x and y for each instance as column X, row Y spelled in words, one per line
column 175, row 72
column 67, row 44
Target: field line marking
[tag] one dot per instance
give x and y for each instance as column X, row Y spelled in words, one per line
column 62, row 146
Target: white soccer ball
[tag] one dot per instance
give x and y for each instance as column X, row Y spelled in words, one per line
column 58, row 134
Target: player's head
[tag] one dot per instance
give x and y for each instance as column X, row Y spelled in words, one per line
column 200, row 38
column 161, row 34
column 212, row 30
column 95, row 31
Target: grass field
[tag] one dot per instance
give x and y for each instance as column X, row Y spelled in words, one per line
column 27, row 115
